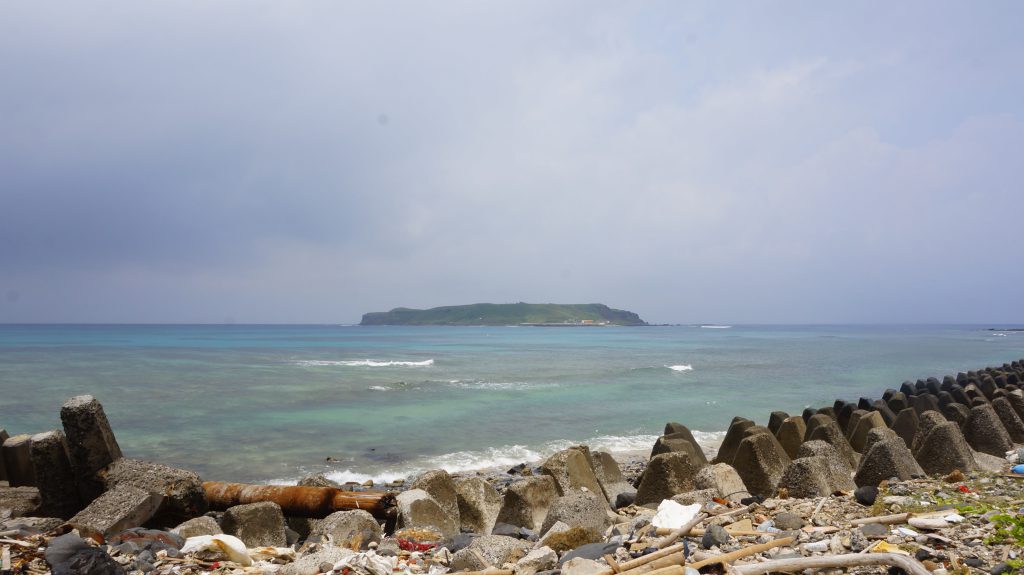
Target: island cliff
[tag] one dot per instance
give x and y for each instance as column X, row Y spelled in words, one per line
column 538, row 314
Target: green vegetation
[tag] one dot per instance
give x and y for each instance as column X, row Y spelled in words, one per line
column 506, row 314
column 1009, row 529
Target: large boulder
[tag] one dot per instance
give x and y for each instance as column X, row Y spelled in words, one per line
column 352, row 529
column 439, row 485
column 723, row 478
column 571, row 470
column 416, row 508
column 578, row 509
column 760, row 461
column 985, row 432
column 489, row 551
column 256, row 524
column 58, row 492
column 1011, row 421
column 479, row 505
column 727, row 450
column 791, row 434
column 610, row 476
column 91, row 442
column 886, row 459
column 831, row 434
column 813, row 477
column 182, row 490
column 869, row 421
column 667, row 474
column 905, row 425
column 526, row 502
column 202, row 525
column 678, row 430
column 114, row 511
column 945, row 449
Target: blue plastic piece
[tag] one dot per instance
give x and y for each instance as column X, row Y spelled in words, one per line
column 1019, row 469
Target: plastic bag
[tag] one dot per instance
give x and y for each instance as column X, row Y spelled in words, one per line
column 672, row 515
column 368, row 563
column 231, row 547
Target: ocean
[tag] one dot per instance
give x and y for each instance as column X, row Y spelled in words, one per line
column 270, row 403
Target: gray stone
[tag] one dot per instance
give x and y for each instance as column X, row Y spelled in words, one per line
column 866, row 495
column 887, row 459
column 733, row 437
column 91, row 442
column 578, row 509
column 89, row 561
column 830, row 433
column 526, row 502
column 869, row 421
column 811, row 477
column 581, row 566
column 310, row 563
column 18, row 501
column 723, row 478
column 789, row 521
column 760, row 462
column 986, row 433
column 791, row 434
column 416, row 508
column 667, row 474
column 879, row 434
column 945, row 449
column 701, row 496
column 874, row 530
column 775, row 421
column 495, row 550
column 17, row 456
column 571, row 470
column 439, row 485
column 540, row 559
column 1011, row 421
column 318, row 480
column 182, row 490
column 60, row 549
column 479, row 505
column 352, row 529
column 256, row 524
column 680, row 431
column 905, row 425
column 202, row 525
column 714, row 536
column 114, row 511
column 58, row 492
column 610, row 476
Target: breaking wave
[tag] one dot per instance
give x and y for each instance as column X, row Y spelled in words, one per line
column 498, row 385
column 681, row 367
column 362, row 363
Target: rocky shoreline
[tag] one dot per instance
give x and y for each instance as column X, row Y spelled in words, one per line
column 917, row 481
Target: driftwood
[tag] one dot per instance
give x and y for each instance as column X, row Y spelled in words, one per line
column 316, row 502
column 490, row 571
column 675, row 534
column 883, row 519
column 745, row 552
column 908, row 564
column 639, row 561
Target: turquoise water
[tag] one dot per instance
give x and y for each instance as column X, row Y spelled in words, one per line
column 262, row 403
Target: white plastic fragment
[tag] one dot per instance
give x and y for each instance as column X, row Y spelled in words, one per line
column 954, row 518
column 231, row 547
column 817, row 546
column 367, row 563
column 907, row 532
column 672, row 515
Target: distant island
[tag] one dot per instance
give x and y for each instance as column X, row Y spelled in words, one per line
column 529, row 314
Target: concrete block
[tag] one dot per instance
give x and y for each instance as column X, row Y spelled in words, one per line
column 17, row 456
column 91, row 442
column 58, row 491
column 120, row 508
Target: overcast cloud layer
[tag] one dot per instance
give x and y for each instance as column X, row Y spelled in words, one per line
column 311, row 161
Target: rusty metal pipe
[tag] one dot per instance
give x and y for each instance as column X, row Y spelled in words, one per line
column 299, row 501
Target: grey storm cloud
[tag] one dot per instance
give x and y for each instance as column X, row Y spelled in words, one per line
column 312, row 161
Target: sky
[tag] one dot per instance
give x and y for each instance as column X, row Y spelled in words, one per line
column 307, row 162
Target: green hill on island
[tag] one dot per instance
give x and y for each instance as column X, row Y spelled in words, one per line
column 542, row 314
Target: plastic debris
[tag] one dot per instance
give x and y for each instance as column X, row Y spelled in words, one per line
column 229, row 546
column 672, row 515
column 883, row 547
column 368, row 563
column 1018, row 469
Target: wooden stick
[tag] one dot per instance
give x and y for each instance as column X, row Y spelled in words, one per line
column 486, row 572
column 634, row 563
column 745, row 552
column 298, row 501
column 612, row 563
column 699, row 532
column 681, row 532
column 908, row 564
column 883, row 519
column 734, row 511
column 671, row 570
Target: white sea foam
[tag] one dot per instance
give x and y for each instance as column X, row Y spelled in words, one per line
column 362, row 363
column 499, row 385
column 379, row 388
column 681, row 367
column 501, row 458
column 714, row 326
